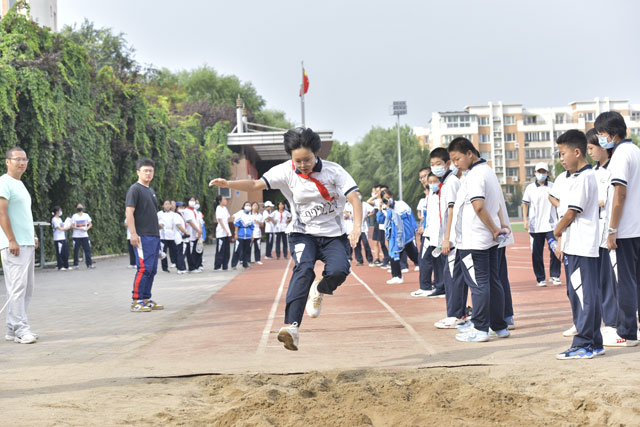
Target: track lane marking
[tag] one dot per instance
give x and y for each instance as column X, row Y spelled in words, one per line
column 272, row 314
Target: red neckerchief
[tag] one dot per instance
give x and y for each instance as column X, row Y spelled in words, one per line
column 323, row 190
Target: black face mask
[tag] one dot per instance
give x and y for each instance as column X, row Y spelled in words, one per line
column 80, row 209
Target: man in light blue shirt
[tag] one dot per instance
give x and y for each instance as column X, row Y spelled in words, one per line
column 17, row 246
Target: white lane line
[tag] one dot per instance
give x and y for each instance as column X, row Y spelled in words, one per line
column 399, row 318
column 272, row 314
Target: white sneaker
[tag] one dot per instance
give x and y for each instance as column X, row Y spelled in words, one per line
column 314, row 302
column 614, row 340
column 420, row 293
column 449, row 323
column 195, row 271
column 405, row 270
column 555, row 281
column 11, row 336
column 259, row 262
column 172, row 266
column 372, row 264
column 542, row 284
column 200, row 269
column 570, row 332
column 288, row 335
column 182, row 271
column 608, row 330
column 473, row 335
column 417, row 268
column 27, row 338
column 395, row 281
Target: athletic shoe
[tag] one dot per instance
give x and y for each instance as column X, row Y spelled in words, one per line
column 417, row 268
column 436, row 294
column 166, row 271
column 154, row 305
column 499, row 334
column 614, row 340
column 139, row 306
column 259, row 262
column 608, row 330
column 449, row 323
column 11, row 336
column 570, row 332
column 420, row 293
column 182, row 271
column 198, row 271
column 288, row 335
column 576, row 353
column 555, row 281
column 215, row 269
column 384, row 265
column 511, row 325
column 27, row 338
column 404, row 270
column 465, row 326
column 268, row 257
column 542, row 284
column 372, row 264
column 128, row 266
column 172, row 266
column 358, row 264
column 62, row 269
column 395, row 281
column 473, row 335
column 314, row 303
column 377, row 262
column 599, row 351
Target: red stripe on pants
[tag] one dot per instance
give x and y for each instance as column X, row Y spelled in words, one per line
column 141, row 270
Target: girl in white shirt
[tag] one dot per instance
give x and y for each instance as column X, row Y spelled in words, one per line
column 257, row 232
column 282, row 217
column 223, row 235
column 60, row 238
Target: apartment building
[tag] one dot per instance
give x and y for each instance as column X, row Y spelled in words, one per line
column 43, row 12
column 513, row 138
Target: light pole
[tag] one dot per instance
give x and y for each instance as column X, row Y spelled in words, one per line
column 398, row 109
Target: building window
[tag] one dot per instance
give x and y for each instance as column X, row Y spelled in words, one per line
column 635, row 116
column 536, row 136
column 509, row 137
column 556, row 134
column 531, row 120
column 509, row 188
column 589, row 117
column 509, row 120
column 446, row 139
column 485, row 155
column 511, row 154
column 635, row 131
column 511, row 172
column 559, row 117
column 537, row 153
column 484, row 138
column 455, row 121
column 483, row 121
column 529, row 170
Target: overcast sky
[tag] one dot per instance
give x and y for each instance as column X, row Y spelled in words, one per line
column 361, row 55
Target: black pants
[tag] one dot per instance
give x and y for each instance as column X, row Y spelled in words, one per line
column 222, row 253
column 537, row 248
column 237, row 253
column 169, row 248
column 85, row 244
column 628, row 257
column 456, row 289
column 430, row 265
column 245, row 249
column 181, row 251
column 504, row 281
column 363, row 241
column 306, row 250
column 194, row 259
column 132, row 253
column 584, row 296
column 412, row 252
column 385, row 252
column 62, row 253
column 256, row 248
column 270, row 239
column 607, row 263
column 281, row 239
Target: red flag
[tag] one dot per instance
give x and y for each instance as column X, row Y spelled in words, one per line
column 305, row 82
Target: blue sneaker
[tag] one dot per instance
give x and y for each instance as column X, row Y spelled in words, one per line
column 473, row 335
column 598, row 351
column 500, row 334
column 510, row 323
column 576, row 353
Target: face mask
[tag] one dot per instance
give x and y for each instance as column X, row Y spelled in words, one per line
column 439, row 171
column 180, row 210
column 197, row 206
column 80, row 209
column 541, row 176
column 247, row 208
column 454, row 170
column 602, row 140
column 60, row 213
column 434, row 187
column 192, row 203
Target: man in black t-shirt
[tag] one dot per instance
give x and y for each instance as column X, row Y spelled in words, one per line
column 142, row 220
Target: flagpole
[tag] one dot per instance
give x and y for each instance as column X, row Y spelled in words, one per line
column 302, row 95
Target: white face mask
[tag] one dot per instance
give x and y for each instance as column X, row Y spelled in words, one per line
column 439, row 170
column 60, row 213
column 247, row 208
column 197, row 206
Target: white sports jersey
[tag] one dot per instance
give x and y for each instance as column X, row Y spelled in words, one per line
column 312, row 212
column 625, row 170
column 542, row 214
column 582, row 236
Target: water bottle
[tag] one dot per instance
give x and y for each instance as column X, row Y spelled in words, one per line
column 502, row 237
column 436, row 251
column 553, row 244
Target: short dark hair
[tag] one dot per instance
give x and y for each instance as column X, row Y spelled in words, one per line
column 432, row 174
column 462, row 145
column 383, row 186
column 55, row 210
column 12, row 149
column 302, row 138
column 574, row 139
column 440, row 153
column 425, row 169
column 612, row 123
column 145, row 162
column 386, row 192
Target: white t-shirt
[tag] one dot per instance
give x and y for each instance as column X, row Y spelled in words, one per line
column 190, row 215
column 448, row 195
column 168, row 222
column 280, row 219
column 366, row 210
column 179, row 219
column 605, row 194
column 582, row 236
column 58, row 234
column 222, row 217
column 348, row 217
column 257, row 232
column 625, row 170
column 542, row 214
column 268, row 226
column 80, row 220
column 312, row 214
column 434, row 222
column 559, row 191
column 480, row 183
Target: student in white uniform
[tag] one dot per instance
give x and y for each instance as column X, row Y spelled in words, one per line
column 578, row 237
column 167, row 221
column 539, row 219
column 268, row 228
column 282, row 218
column 81, row 223
column 223, row 235
column 623, row 233
column 60, row 238
column 479, row 196
column 317, row 191
column 257, row 231
column 194, row 231
column 181, row 239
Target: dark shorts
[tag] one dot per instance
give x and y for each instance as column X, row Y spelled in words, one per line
column 378, row 235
